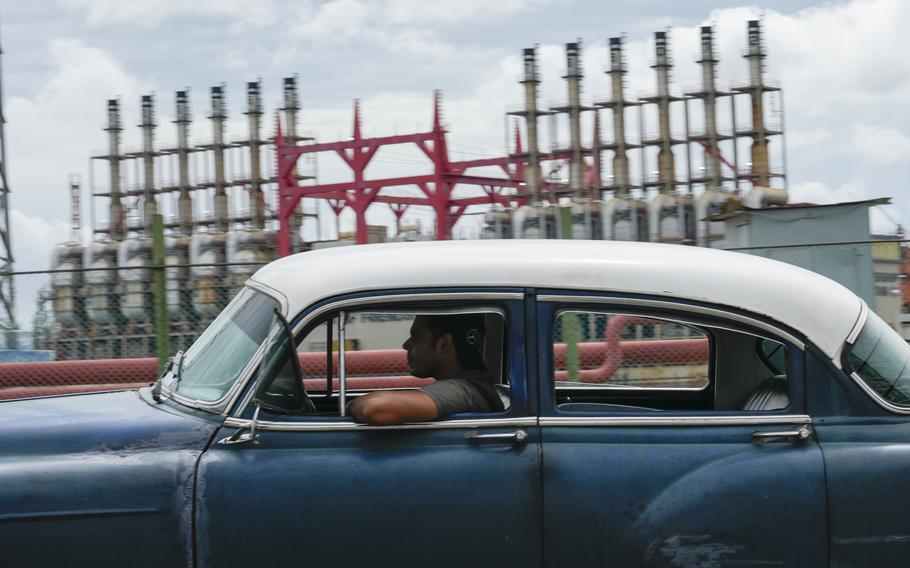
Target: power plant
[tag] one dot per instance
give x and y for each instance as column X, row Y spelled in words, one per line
column 232, row 204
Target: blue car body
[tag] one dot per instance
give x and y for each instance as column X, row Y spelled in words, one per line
column 134, row 478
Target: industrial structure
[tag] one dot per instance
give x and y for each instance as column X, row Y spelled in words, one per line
column 231, row 204
column 7, row 290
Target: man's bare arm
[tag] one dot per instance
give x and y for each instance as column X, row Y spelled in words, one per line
column 384, row 408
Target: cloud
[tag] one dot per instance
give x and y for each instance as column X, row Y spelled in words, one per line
column 881, row 144
column 820, row 193
column 154, row 12
column 46, row 132
column 334, row 22
column 447, row 11
column 882, row 218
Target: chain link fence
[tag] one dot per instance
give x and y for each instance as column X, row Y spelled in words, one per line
column 98, row 328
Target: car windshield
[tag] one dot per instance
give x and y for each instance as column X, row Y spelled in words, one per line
column 214, row 361
column 880, row 357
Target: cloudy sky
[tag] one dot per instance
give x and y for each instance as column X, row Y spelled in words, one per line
column 843, row 67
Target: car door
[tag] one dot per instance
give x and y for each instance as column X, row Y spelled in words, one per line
column 864, row 431
column 324, row 490
column 648, row 456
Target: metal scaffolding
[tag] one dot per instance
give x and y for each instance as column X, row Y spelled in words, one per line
column 7, row 291
column 437, row 187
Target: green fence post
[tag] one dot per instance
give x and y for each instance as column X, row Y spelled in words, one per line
column 570, row 330
column 159, row 294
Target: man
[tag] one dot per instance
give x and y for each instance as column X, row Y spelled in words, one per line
column 446, row 347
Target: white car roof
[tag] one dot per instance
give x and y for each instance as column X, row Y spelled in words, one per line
column 822, row 309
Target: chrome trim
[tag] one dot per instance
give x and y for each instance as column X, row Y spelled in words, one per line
column 269, row 291
column 342, row 371
column 518, row 436
column 356, row 426
column 860, row 322
column 887, row 405
column 384, row 299
column 801, row 434
column 663, row 304
column 679, row 421
column 392, row 298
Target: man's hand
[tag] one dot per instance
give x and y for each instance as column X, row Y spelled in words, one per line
column 384, row 408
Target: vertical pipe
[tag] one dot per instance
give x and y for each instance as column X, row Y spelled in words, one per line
column 76, row 207
column 342, row 368
column 620, row 159
column 755, row 57
column 254, row 113
column 115, row 215
column 150, row 200
column 573, row 79
column 219, row 201
column 184, row 201
column 159, row 292
column 530, row 82
column 666, row 168
column 291, row 107
column 708, row 64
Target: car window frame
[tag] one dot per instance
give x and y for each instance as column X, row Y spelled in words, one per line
column 691, row 313
column 518, row 414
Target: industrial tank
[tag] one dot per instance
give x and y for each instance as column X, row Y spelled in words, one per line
column 102, row 303
column 135, row 283
column 177, row 278
column 586, row 220
column 69, row 308
column 711, row 202
column 625, row 219
column 248, row 246
column 497, row 224
column 209, row 288
column 534, row 222
column 671, row 219
column 409, row 232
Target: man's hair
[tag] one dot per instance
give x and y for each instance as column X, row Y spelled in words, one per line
column 467, row 331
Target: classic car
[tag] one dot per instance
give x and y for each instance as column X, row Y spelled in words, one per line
column 663, row 406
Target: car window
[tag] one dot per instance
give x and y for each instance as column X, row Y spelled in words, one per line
column 374, row 357
column 617, row 350
column 880, row 357
column 215, row 361
column 620, row 362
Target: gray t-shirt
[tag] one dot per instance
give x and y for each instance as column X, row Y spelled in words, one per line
column 459, row 395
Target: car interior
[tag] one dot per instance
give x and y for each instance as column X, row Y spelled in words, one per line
column 743, row 373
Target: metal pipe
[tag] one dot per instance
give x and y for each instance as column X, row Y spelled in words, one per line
column 530, row 82
column 291, row 107
column 254, row 113
column 114, row 127
column 666, row 169
column 184, row 201
column 620, row 159
column 76, row 205
column 755, row 57
column 342, row 375
column 219, row 201
column 150, row 200
column 708, row 63
column 573, row 79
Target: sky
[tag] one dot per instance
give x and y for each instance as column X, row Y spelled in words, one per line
column 843, row 67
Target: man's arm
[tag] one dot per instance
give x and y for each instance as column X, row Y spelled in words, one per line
column 384, row 408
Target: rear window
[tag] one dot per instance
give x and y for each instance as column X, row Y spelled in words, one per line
column 880, row 357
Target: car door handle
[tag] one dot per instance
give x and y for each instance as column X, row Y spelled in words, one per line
column 518, row 436
column 799, row 435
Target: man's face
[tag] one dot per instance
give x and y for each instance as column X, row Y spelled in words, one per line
column 424, row 356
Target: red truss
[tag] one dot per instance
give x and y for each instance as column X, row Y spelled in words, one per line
column 437, row 187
